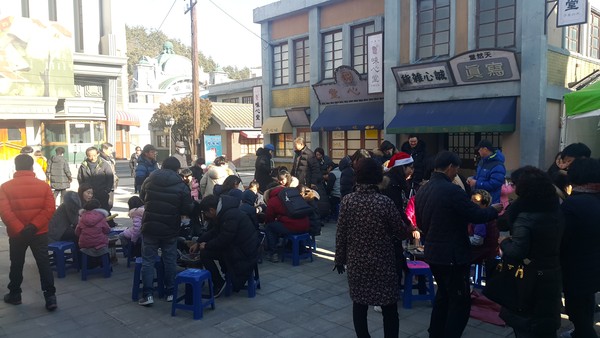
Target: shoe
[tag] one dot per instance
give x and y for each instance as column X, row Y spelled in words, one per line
column 12, row 298
column 51, row 303
column 377, row 308
column 274, row 258
column 219, row 290
column 146, row 301
column 169, row 298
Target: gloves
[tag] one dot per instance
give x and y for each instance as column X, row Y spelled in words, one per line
column 340, row 268
column 28, row 231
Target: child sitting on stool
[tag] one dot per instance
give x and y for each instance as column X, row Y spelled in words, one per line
column 92, row 231
column 134, row 232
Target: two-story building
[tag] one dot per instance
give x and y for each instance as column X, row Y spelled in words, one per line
column 347, row 74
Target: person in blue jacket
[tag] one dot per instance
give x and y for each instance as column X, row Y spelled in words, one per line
column 491, row 172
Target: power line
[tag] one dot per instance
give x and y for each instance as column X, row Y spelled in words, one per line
column 166, row 16
column 239, row 23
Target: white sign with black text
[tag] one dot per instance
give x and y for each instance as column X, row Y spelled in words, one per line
column 375, row 63
column 571, row 12
column 257, row 115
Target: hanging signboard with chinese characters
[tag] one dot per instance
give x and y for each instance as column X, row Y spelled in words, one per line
column 486, row 65
column 423, row 76
column 257, row 106
column 348, row 86
column 571, row 12
column 375, row 63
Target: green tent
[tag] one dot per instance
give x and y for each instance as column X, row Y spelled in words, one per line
column 584, row 102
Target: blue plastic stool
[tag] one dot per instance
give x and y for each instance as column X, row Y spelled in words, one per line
column 62, row 260
column 106, row 269
column 137, row 278
column 417, row 268
column 297, row 241
column 194, row 280
column 253, row 283
column 478, row 275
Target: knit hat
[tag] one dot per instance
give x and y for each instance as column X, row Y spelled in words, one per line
column 171, row 163
column 485, row 144
column 179, row 144
column 399, row 158
column 270, row 147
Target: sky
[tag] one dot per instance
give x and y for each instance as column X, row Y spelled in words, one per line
column 219, row 36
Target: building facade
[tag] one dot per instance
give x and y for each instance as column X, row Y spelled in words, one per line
column 452, row 72
column 64, row 78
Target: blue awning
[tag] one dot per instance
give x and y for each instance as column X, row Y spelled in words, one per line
column 480, row 115
column 352, row 116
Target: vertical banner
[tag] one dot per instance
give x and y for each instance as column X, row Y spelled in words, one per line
column 375, row 63
column 571, row 12
column 212, row 147
column 257, row 115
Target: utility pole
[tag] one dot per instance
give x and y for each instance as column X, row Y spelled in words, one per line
column 195, row 90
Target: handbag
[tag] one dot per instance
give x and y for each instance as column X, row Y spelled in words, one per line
column 511, row 286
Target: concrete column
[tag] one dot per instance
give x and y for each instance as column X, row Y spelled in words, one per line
column 111, row 111
column 391, row 56
column 532, row 131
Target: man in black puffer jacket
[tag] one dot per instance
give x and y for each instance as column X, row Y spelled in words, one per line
column 166, row 198
column 306, row 167
column 443, row 212
column 233, row 241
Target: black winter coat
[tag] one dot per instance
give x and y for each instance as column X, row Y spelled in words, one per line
column 580, row 249
column 347, row 176
column 443, row 212
column 235, row 237
column 262, row 169
column 306, row 168
column 101, row 178
column 166, row 198
column 58, row 172
column 536, row 234
column 418, row 154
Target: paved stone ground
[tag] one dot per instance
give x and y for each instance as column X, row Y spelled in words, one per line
column 305, row 301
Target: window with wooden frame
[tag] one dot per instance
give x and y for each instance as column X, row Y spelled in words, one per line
column 595, row 35
column 302, row 60
column 359, row 46
column 433, row 28
column 496, row 23
column 284, row 144
column 344, row 143
column 281, row 72
column 332, row 52
column 247, row 99
column 572, row 34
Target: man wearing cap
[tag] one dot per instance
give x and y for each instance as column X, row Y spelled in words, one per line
column 491, row 172
column 180, row 154
column 26, row 207
column 166, row 198
column 146, row 165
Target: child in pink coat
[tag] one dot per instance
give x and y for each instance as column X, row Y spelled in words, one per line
column 93, row 230
column 134, row 232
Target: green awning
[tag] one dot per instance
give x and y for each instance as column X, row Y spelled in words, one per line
column 584, row 100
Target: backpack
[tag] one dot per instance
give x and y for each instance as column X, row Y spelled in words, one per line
column 294, row 203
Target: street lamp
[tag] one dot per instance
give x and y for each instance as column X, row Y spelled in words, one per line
column 170, row 122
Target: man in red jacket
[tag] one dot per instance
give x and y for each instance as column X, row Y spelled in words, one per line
column 26, row 207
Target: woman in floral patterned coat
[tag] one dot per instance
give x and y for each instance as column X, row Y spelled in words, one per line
column 368, row 225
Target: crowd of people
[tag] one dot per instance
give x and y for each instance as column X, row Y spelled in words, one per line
column 380, row 199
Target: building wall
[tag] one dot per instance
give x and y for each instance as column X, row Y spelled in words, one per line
column 290, row 26
column 351, row 10
column 292, row 97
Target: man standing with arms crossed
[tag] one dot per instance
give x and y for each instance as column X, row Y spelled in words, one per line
column 26, row 206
